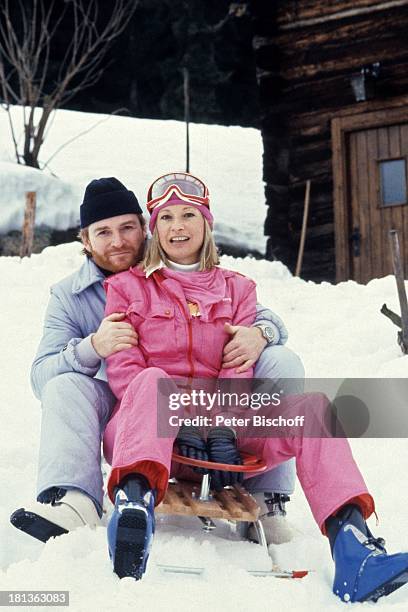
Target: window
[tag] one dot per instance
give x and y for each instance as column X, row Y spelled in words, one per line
column 393, row 181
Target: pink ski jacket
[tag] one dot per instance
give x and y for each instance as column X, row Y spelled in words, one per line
column 170, row 337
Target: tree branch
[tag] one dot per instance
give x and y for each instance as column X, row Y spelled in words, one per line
column 92, row 127
column 25, row 53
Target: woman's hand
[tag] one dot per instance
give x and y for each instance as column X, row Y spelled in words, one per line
column 114, row 335
column 191, row 444
column 222, row 448
column 245, row 347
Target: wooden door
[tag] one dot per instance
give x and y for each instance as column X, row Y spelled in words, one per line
column 371, row 193
column 378, row 198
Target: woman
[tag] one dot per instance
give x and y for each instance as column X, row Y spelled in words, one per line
column 181, row 299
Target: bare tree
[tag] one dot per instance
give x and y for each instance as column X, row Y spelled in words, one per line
column 28, row 29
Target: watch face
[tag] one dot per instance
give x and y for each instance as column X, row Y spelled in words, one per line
column 269, row 333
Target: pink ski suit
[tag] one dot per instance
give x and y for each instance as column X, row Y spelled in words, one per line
column 173, row 343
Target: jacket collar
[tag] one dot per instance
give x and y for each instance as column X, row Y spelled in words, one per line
column 87, row 275
column 173, row 266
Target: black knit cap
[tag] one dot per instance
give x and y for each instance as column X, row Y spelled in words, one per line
column 107, row 197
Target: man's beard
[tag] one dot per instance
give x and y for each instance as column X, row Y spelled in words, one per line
column 106, row 263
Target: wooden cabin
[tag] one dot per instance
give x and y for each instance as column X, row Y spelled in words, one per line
column 333, row 86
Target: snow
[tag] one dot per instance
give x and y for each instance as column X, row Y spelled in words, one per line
column 136, row 151
column 337, row 330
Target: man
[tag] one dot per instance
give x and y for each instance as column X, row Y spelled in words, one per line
column 68, row 374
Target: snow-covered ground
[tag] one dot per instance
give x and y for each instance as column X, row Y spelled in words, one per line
column 136, row 151
column 337, row 330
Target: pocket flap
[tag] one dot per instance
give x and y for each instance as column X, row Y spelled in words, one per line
column 161, row 311
column 221, row 310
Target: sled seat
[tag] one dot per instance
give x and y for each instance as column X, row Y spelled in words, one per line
column 235, row 503
column 192, row 499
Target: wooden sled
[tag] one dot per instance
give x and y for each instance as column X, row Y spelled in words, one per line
column 188, row 498
column 234, row 503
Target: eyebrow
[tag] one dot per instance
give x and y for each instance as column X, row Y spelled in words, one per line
column 104, row 227
column 184, row 208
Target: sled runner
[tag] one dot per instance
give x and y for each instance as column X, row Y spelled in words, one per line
column 235, row 504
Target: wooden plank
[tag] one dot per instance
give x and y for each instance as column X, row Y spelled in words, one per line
column 317, row 13
column 396, row 211
column 404, row 153
column 247, row 501
column 28, row 225
column 211, row 508
column 325, row 42
column 333, row 67
column 364, row 207
column 230, row 504
column 377, row 245
column 378, row 118
column 290, row 10
column 393, row 110
column 356, row 271
column 340, row 203
column 352, row 32
column 386, row 213
column 176, row 500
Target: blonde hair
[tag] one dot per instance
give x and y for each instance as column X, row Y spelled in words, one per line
column 83, row 234
column 208, row 257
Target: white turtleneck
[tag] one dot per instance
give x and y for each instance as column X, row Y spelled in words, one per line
column 175, row 266
column 183, row 267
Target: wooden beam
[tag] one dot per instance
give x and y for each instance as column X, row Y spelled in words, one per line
column 304, row 227
column 28, row 225
column 340, row 202
column 312, row 118
column 382, row 6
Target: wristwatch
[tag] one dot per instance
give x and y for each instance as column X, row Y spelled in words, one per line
column 267, row 332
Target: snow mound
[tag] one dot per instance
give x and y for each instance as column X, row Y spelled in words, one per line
column 136, row 151
column 57, row 201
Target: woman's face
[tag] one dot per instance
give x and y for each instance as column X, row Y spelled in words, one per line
column 181, row 233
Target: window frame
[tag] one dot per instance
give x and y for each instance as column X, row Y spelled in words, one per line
column 381, row 203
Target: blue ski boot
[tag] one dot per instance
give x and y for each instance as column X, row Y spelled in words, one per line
column 363, row 569
column 131, row 527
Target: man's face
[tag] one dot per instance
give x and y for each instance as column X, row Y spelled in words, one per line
column 116, row 243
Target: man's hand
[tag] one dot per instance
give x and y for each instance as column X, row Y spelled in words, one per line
column 114, row 335
column 244, row 348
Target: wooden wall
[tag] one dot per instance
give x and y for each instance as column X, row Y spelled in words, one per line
column 306, row 51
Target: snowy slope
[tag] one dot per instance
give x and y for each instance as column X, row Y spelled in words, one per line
column 338, row 332
column 137, row 151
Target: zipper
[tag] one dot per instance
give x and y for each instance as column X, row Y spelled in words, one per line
column 159, row 278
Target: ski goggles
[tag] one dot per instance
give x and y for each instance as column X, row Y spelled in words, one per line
column 176, row 188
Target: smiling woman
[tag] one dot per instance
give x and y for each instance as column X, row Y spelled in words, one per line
column 181, row 233
column 181, row 224
column 179, row 309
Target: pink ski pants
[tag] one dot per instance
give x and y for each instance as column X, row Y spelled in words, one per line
column 325, row 466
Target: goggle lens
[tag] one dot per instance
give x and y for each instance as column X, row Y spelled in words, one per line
column 188, row 185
